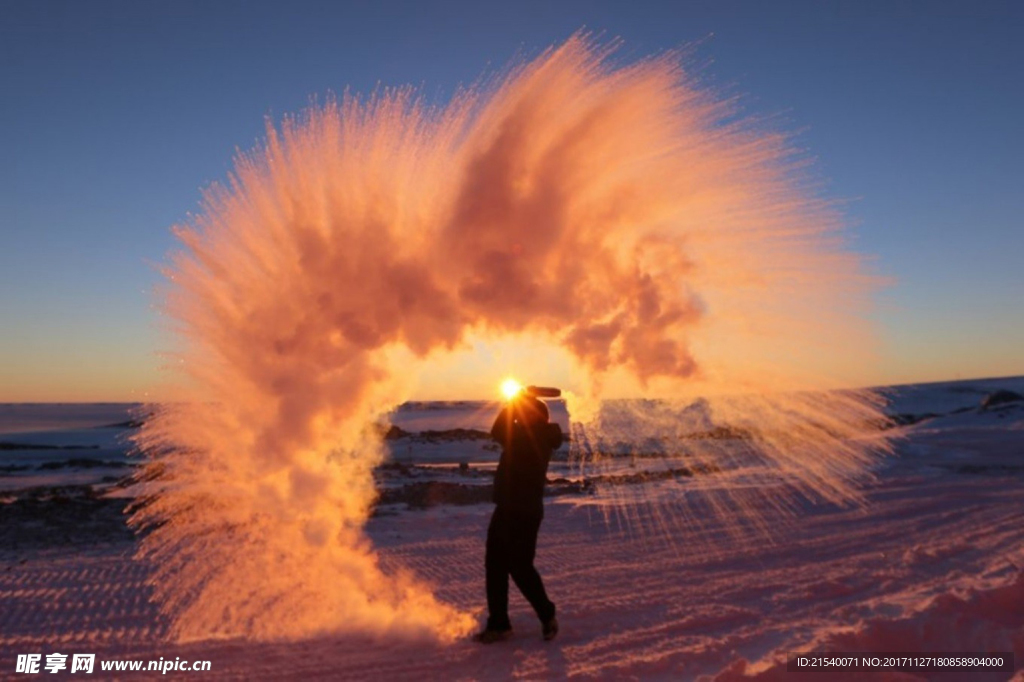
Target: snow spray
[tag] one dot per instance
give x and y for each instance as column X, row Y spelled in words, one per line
column 616, row 210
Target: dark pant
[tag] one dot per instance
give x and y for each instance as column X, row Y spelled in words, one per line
column 511, row 546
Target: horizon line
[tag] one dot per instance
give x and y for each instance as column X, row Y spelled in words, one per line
column 498, row 399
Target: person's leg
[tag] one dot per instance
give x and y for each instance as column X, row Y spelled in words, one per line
column 496, row 566
column 522, row 549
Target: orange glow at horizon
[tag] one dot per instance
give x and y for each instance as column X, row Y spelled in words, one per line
column 469, row 374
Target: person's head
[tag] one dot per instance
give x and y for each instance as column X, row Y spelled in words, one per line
column 529, row 410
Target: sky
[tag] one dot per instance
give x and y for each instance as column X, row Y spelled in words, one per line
column 115, row 115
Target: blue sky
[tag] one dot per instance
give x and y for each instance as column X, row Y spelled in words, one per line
column 115, row 114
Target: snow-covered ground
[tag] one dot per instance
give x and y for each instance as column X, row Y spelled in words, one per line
column 932, row 562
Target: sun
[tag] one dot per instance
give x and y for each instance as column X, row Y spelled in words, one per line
column 510, row 388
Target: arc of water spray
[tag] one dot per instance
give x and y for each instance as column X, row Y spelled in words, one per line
column 608, row 208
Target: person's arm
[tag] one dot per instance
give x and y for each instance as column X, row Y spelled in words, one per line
column 554, row 434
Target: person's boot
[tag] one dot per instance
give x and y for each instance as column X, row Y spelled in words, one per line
column 490, row 636
column 550, row 629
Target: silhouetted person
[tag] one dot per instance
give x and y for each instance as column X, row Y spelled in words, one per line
column 527, row 440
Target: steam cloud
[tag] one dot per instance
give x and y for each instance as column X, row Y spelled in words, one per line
column 617, row 211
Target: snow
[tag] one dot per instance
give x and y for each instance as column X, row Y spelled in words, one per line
column 932, row 561
column 948, row 396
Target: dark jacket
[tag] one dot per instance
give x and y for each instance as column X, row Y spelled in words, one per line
column 527, row 441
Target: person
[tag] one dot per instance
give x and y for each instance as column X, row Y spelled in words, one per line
column 527, row 440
